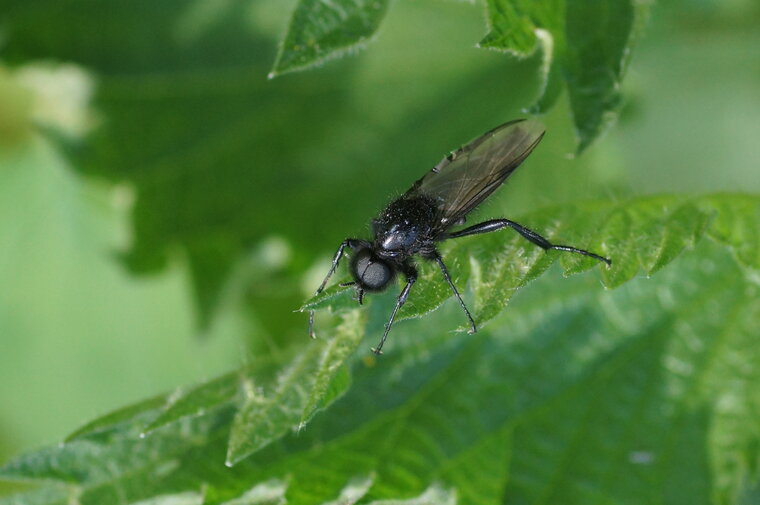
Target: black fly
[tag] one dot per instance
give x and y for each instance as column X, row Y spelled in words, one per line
column 413, row 223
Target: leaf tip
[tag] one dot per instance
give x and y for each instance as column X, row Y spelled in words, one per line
column 236, row 454
column 301, row 424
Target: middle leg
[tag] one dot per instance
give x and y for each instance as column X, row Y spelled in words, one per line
column 446, row 276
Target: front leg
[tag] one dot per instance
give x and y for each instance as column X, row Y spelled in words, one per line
column 532, row 236
column 353, row 243
column 411, row 277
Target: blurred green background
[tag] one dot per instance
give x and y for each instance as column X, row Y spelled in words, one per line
column 164, row 207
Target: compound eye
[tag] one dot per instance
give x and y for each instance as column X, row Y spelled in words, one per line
column 371, row 272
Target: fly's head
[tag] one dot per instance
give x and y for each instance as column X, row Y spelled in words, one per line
column 370, row 272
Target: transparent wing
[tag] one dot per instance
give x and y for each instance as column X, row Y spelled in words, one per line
column 466, row 177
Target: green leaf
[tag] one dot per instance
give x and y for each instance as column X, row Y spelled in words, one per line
column 648, row 393
column 113, row 419
column 655, row 381
column 585, row 46
column 50, row 494
column 599, row 36
column 736, row 225
column 434, row 495
column 189, row 498
column 322, row 29
column 315, row 378
column 300, row 389
column 116, row 457
column 570, row 395
column 335, row 297
column 509, row 29
column 271, row 492
column 331, row 378
column 197, row 400
column 354, row 491
column 193, row 401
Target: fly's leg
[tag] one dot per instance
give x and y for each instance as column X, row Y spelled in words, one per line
column 349, row 242
column 446, row 276
column 532, row 236
column 411, row 277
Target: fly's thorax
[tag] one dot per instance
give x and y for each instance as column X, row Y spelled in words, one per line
column 371, row 272
column 405, row 224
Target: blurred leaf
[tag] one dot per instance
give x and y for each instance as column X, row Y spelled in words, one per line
column 510, row 29
column 599, row 40
column 354, row 491
column 189, row 498
column 590, row 397
column 50, row 494
column 434, row 495
column 271, row 492
column 585, row 44
column 321, row 29
column 736, row 225
column 15, row 110
column 191, row 122
column 221, row 158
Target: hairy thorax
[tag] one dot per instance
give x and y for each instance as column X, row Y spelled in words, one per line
column 405, row 227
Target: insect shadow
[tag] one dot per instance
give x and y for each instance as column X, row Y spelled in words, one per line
column 412, row 224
